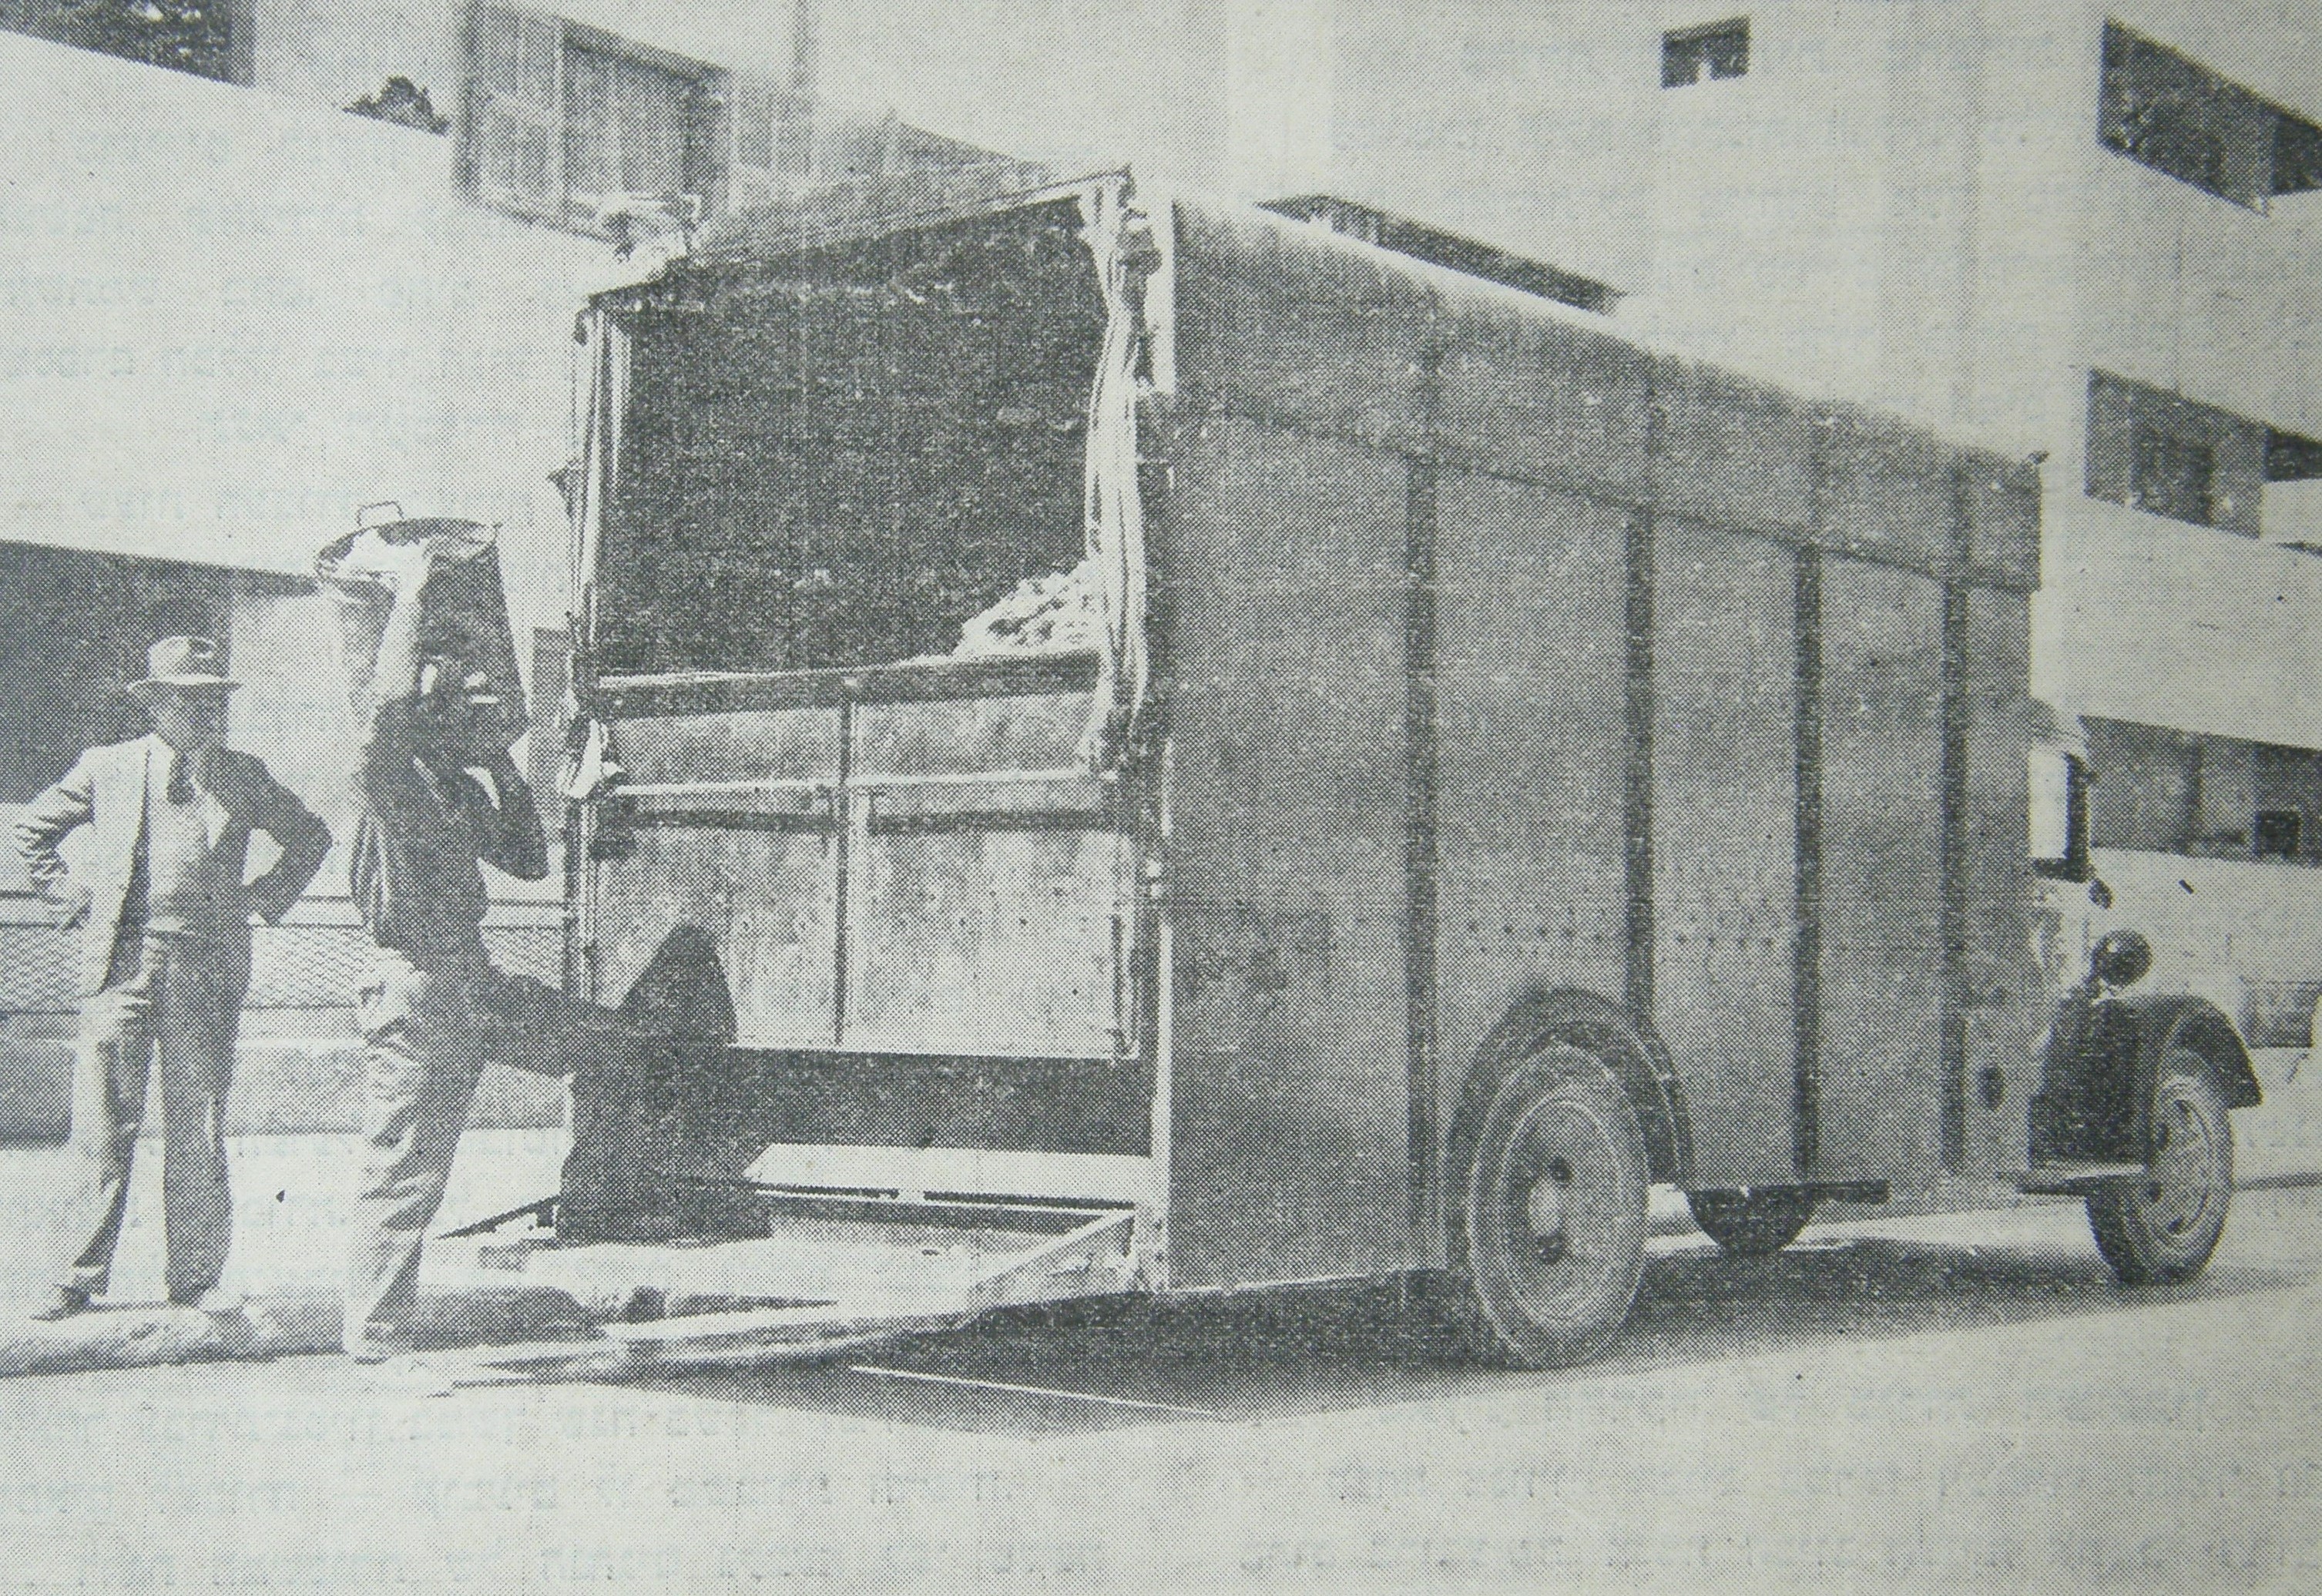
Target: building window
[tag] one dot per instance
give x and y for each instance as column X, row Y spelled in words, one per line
column 1693, row 55
column 2162, row 453
column 207, row 38
column 563, row 121
column 2178, row 117
column 2159, row 792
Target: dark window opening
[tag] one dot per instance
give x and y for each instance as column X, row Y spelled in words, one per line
column 2167, row 455
column 2178, row 117
column 2161, row 791
column 2173, row 475
column 1693, row 55
column 1423, row 242
column 207, row 38
column 2277, row 833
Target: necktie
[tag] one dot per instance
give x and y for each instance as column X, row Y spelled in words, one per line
column 181, row 789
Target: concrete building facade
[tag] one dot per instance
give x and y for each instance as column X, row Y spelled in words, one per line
column 234, row 313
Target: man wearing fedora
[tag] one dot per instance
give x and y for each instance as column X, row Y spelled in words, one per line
column 164, row 909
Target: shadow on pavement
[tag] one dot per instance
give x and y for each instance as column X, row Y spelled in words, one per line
column 1257, row 1354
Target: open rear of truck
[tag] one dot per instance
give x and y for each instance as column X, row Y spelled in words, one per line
column 851, row 736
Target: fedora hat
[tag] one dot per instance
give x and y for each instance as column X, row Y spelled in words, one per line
column 184, row 663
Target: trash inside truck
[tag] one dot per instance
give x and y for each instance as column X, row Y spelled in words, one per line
column 1144, row 747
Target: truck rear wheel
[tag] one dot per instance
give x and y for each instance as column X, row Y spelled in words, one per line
column 1754, row 1221
column 2162, row 1225
column 1555, row 1221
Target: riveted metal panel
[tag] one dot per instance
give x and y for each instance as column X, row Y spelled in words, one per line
column 1286, row 573
column 1526, row 395
column 730, row 745
column 763, row 891
column 1881, row 844
column 1274, row 321
column 1724, row 842
column 1734, row 452
column 985, row 908
column 1532, row 743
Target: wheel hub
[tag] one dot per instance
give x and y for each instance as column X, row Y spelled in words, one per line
column 1544, row 1208
column 2182, row 1174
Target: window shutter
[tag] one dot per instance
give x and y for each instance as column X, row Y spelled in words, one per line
column 513, row 155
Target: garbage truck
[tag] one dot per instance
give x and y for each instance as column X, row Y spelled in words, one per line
column 1150, row 747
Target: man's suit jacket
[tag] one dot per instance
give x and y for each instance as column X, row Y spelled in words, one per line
column 106, row 790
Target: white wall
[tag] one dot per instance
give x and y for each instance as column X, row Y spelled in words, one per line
column 232, row 318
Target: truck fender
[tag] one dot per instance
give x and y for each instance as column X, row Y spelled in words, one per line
column 1628, row 1045
column 2096, row 1087
column 2169, row 1020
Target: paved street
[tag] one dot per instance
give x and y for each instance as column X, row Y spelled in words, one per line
column 1961, row 1403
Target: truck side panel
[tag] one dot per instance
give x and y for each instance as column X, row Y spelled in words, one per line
column 1725, row 842
column 1879, row 1056
column 1531, row 734
column 1285, row 571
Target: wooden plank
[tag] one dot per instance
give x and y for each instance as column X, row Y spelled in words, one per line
column 1724, row 853
column 916, row 1172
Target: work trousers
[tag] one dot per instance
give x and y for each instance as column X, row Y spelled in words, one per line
column 429, row 1027
column 177, row 997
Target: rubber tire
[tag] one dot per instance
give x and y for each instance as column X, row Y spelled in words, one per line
column 1756, row 1221
column 1561, row 1134
column 2163, row 1225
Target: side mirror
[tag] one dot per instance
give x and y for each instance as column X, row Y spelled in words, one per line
column 2059, row 814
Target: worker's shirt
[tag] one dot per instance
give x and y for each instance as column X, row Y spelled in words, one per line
column 423, row 831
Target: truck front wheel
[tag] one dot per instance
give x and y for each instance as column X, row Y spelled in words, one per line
column 2162, row 1225
column 1555, row 1222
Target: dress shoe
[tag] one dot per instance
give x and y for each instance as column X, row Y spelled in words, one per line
column 61, row 1303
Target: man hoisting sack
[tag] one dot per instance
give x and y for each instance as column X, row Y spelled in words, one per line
column 432, row 671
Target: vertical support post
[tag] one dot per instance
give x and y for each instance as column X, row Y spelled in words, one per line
column 1806, row 981
column 852, row 814
column 1418, row 630
column 1958, row 711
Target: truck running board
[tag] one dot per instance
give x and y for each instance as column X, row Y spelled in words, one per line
column 2074, row 1179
